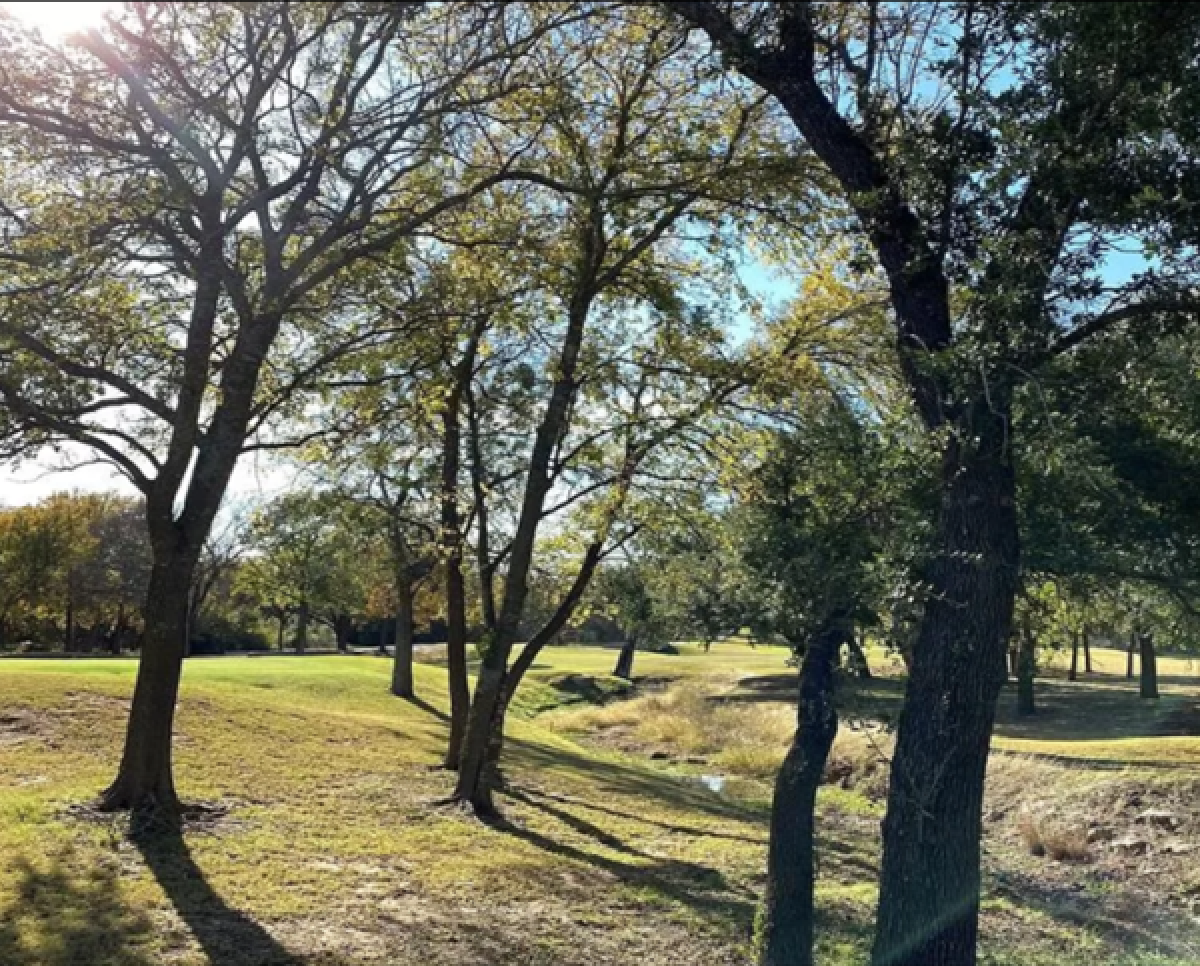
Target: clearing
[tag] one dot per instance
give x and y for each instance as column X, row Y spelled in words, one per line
column 324, row 842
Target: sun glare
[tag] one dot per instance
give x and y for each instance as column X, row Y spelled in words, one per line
column 58, row 18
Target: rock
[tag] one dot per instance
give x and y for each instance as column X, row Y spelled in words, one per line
column 1131, row 845
column 1159, row 818
column 1179, row 848
column 996, row 815
column 1100, row 833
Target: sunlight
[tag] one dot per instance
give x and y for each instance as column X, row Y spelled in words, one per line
column 59, row 18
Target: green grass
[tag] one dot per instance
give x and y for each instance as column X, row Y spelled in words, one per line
column 332, row 848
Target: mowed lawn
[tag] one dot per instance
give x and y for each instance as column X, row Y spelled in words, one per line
column 325, row 841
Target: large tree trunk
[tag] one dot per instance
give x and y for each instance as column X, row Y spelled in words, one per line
column 402, row 652
column 1087, row 650
column 1149, row 679
column 930, row 878
column 1129, row 655
column 624, row 668
column 1073, row 671
column 1026, row 672
column 145, row 780
column 791, row 853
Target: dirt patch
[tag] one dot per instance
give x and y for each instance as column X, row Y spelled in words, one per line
column 19, row 726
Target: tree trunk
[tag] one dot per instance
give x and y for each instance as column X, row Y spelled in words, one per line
column 402, row 651
column 114, row 642
column 1087, row 651
column 1129, row 655
column 856, row 658
column 1073, row 671
column 342, row 627
column 301, row 641
column 145, row 781
column 1149, row 678
column 456, row 660
column 1026, row 671
column 930, row 877
column 624, row 668
column 475, row 780
column 282, row 632
column 791, row 853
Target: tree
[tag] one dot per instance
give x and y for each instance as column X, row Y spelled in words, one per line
column 818, row 515
column 609, row 360
column 626, row 589
column 1006, row 135
column 205, row 260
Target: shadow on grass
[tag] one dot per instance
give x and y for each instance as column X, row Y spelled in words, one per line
column 1098, row 707
column 634, row 782
column 646, row 820
column 698, row 887
column 228, row 937
column 60, row 917
column 1131, row 929
column 423, row 705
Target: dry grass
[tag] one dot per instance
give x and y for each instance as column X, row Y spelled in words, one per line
column 1046, row 836
column 695, row 718
column 689, row 719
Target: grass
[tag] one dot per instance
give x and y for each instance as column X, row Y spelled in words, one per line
column 328, row 846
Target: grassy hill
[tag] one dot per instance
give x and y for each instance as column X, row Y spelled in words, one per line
column 323, row 840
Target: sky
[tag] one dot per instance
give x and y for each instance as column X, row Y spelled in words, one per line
column 58, row 18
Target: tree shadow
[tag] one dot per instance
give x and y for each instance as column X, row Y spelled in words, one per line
column 699, row 887
column 60, row 917
column 633, row 782
column 644, row 819
column 1132, row 930
column 228, row 937
column 422, row 705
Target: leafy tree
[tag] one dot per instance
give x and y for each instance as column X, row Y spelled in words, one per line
column 617, row 346
column 211, row 262
column 992, row 155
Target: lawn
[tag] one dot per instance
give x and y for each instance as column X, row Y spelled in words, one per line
column 324, row 841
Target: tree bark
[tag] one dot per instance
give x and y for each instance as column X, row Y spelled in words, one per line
column 402, row 649
column 1148, row 684
column 282, row 632
column 1073, row 671
column 930, row 877
column 1087, row 651
column 145, row 781
column 788, row 924
column 1129, row 655
column 624, row 668
column 1026, row 672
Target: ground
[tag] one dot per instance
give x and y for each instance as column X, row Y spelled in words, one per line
column 324, row 842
